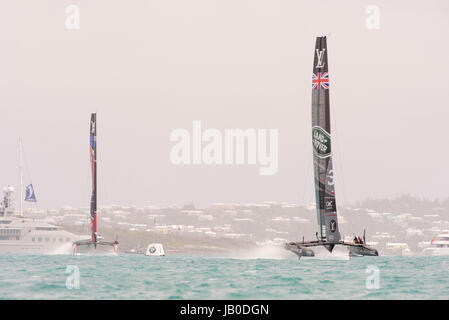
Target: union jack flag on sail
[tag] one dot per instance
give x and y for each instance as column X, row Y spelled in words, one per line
column 320, row 80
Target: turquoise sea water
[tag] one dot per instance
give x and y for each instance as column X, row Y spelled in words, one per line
column 210, row 277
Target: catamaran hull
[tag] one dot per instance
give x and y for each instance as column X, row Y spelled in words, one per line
column 303, row 249
column 100, row 248
column 299, row 250
column 361, row 251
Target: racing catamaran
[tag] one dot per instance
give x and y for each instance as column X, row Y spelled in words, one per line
column 96, row 241
column 328, row 234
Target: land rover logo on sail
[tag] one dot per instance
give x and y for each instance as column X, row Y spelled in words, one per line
column 321, row 142
column 333, row 225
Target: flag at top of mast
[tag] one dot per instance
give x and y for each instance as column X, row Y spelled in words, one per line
column 30, row 196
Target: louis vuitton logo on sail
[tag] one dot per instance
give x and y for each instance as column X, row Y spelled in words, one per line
column 320, row 61
column 231, row 149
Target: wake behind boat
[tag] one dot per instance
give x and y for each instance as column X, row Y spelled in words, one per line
column 329, row 234
column 95, row 244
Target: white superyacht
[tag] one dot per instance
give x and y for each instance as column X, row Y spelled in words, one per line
column 20, row 234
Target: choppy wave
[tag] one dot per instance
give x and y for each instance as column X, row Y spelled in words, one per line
column 251, row 275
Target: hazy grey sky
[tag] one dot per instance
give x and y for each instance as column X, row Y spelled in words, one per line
column 148, row 67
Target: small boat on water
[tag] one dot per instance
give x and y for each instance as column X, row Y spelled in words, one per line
column 95, row 244
column 155, row 249
column 329, row 234
column 439, row 246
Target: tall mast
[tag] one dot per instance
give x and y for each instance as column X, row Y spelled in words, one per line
column 20, row 176
column 93, row 162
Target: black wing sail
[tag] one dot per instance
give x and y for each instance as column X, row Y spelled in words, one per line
column 322, row 156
